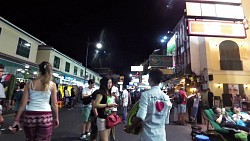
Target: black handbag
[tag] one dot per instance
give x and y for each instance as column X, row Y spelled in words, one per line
column 86, row 100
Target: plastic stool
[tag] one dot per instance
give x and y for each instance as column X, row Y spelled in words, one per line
column 201, row 138
column 60, row 104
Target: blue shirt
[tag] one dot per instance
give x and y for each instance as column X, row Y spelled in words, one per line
column 154, row 110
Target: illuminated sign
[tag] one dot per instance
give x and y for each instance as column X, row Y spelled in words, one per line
column 160, row 61
column 217, row 29
column 214, row 10
column 167, row 71
column 218, row 1
column 136, row 68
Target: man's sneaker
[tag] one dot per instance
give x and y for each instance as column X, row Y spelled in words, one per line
column 87, row 134
column 83, row 136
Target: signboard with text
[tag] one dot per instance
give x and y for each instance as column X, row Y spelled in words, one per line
column 218, row 1
column 219, row 11
column 160, row 61
column 216, row 29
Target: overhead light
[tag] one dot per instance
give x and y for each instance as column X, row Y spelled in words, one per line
column 22, row 71
column 27, row 44
column 35, row 72
column 27, row 66
column 18, row 69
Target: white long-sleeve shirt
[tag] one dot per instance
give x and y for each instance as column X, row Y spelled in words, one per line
column 154, row 110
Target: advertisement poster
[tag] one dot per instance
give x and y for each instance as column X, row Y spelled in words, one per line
column 233, row 89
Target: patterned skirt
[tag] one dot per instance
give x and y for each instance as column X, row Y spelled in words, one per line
column 37, row 125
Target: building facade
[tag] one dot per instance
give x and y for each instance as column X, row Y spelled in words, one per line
column 212, row 50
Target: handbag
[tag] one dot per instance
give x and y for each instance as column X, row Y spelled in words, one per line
column 87, row 100
column 112, row 120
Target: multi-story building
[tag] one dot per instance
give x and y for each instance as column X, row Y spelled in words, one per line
column 211, row 46
column 66, row 69
column 21, row 53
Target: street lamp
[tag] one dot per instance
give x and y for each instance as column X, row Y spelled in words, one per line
column 98, row 45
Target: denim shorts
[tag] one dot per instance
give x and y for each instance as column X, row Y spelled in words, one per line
column 181, row 108
column 86, row 113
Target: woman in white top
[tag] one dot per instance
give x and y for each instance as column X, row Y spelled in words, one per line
column 37, row 119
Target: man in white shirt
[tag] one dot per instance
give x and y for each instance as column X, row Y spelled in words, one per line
column 2, row 94
column 124, row 104
column 86, row 109
column 154, row 111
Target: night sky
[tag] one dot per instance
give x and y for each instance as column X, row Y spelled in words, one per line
column 129, row 29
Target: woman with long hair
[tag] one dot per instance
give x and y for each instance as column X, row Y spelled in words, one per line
column 102, row 107
column 37, row 119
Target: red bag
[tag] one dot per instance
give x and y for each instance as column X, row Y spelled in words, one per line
column 112, row 120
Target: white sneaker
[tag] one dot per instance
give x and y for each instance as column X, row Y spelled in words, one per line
column 83, row 136
column 88, row 134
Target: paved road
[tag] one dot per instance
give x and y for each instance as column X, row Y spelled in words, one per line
column 69, row 129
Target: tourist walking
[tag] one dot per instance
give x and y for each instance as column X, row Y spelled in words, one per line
column 39, row 92
column 154, row 111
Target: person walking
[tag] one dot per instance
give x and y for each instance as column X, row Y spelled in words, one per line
column 154, row 111
column 182, row 107
column 18, row 96
column 124, row 104
column 73, row 97
column 115, row 97
column 39, row 92
column 86, row 109
column 67, row 97
column 93, row 117
column 210, row 97
column 103, row 107
column 2, row 93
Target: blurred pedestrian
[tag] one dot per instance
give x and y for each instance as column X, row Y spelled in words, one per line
column 154, row 111
column 103, row 107
column 125, row 98
column 93, row 117
column 115, row 97
column 18, row 96
column 73, row 97
column 2, row 93
column 39, row 91
column 182, row 107
column 67, row 97
column 210, row 98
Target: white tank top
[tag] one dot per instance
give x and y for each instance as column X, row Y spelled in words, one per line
column 39, row 100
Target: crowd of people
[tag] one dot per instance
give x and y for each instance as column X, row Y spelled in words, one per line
column 37, row 100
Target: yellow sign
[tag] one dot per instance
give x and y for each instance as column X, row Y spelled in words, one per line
column 216, row 29
column 167, row 71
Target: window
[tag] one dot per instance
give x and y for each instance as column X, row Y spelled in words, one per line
column 67, row 66
column 230, row 56
column 56, row 62
column 75, row 70
column 81, row 73
column 23, row 48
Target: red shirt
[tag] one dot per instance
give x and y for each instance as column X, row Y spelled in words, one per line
column 184, row 96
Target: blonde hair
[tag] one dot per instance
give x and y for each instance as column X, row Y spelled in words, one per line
column 45, row 69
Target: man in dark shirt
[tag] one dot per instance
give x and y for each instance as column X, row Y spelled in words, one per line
column 210, row 99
